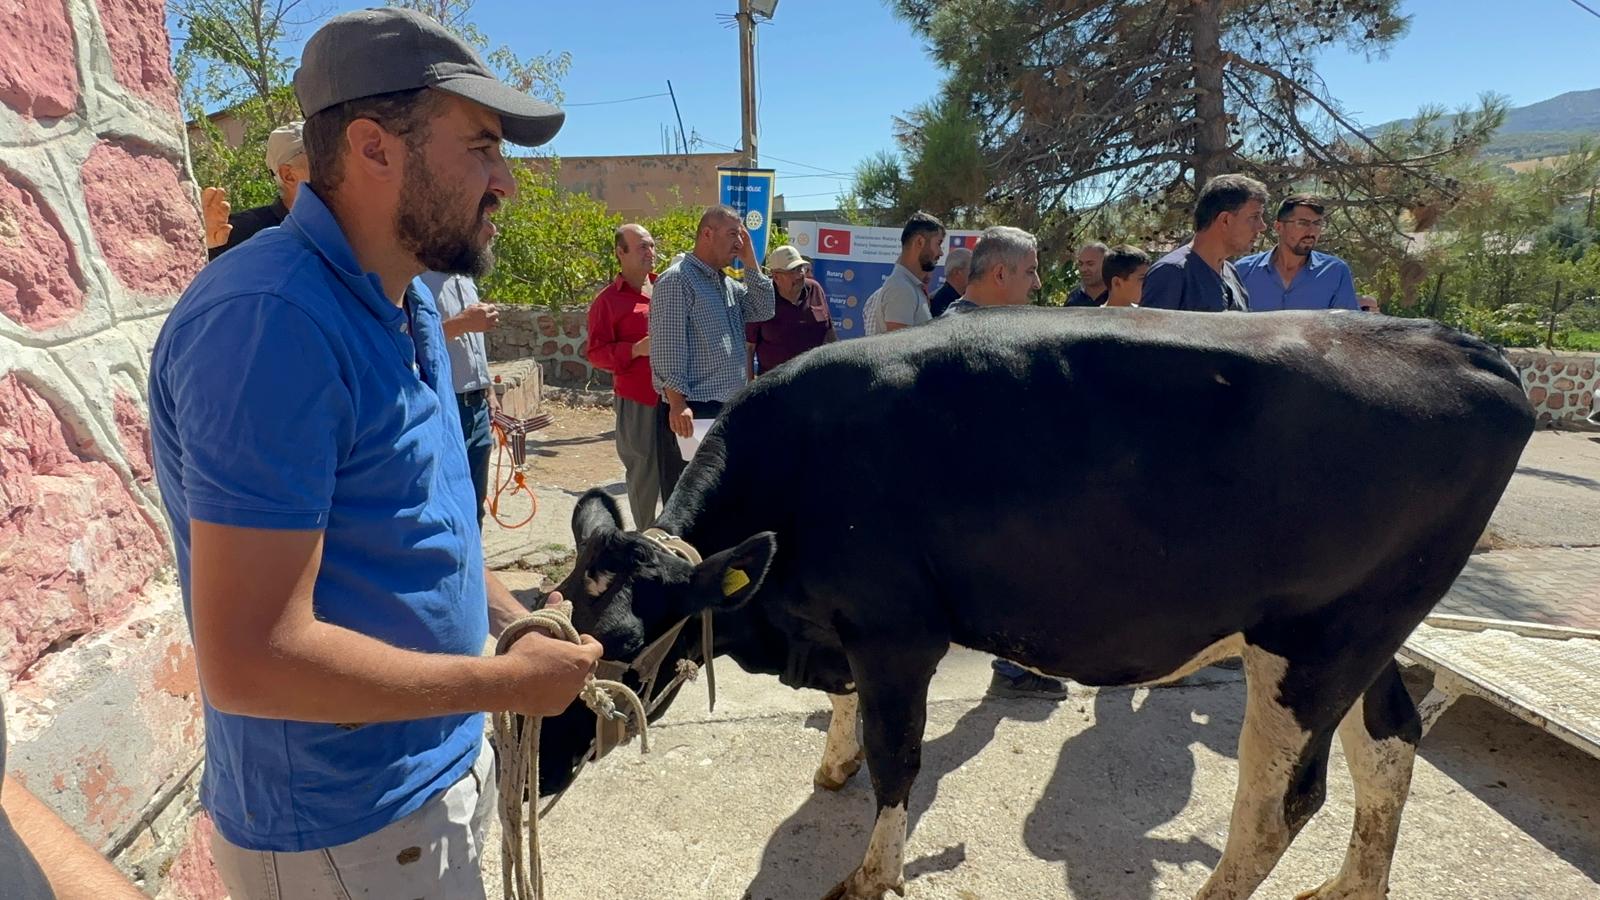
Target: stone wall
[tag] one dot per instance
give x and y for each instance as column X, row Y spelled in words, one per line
column 527, row 332
column 99, row 232
column 1560, row 385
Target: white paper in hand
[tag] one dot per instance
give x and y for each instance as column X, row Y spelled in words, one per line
column 688, row 445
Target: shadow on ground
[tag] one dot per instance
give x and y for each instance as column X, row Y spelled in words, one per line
column 824, row 840
column 1523, row 774
column 1125, row 776
column 1559, row 477
column 1110, row 789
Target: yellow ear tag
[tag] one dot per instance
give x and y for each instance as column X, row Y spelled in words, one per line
column 733, row 581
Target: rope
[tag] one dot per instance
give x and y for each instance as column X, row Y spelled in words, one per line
column 516, row 739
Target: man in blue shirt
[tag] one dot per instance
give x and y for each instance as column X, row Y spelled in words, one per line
column 1293, row 275
column 309, row 455
column 1228, row 217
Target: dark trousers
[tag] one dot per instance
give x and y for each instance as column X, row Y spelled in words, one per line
column 672, row 461
column 474, row 409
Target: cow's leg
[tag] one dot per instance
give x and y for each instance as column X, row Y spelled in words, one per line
column 893, row 687
column 841, row 757
column 1380, row 735
column 1282, row 778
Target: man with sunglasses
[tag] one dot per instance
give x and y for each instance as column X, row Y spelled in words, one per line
column 1294, row 275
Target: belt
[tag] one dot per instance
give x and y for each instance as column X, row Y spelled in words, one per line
column 474, row 398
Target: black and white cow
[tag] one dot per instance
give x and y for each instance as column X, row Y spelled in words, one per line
column 1113, row 496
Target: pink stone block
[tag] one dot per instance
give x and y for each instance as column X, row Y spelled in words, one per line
column 40, row 281
column 78, row 547
column 135, row 433
column 141, row 56
column 38, row 61
column 146, row 222
column 192, row 875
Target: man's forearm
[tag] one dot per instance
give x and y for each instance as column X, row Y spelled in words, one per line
column 454, row 327
column 75, row 870
column 318, row 672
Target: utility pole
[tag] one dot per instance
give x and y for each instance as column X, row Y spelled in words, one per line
column 747, row 82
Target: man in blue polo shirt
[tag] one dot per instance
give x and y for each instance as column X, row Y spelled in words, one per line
column 1293, row 275
column 309, row 455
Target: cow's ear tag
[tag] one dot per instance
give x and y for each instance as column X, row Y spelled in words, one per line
column 734, row 581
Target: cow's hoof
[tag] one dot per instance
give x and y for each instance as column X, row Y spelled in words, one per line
column 859, row 886
column 832, row 778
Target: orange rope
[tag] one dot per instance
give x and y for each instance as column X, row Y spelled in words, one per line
column 514, row 476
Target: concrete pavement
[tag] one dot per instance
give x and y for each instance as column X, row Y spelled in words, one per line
column 1112, row 795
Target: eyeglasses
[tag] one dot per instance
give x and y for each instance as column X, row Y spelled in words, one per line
column 1310, row 224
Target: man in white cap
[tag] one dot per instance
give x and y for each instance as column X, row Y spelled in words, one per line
column 286, row 159
column 308, row 450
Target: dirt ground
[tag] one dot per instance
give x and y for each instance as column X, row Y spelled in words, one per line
column 579, row 451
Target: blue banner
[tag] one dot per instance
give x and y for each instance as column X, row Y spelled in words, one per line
column 852, row 261
column 750, row 192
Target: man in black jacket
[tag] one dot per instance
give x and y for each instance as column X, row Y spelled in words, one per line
column 286, row 158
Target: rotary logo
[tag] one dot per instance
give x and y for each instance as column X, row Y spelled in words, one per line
column 850, row 302
column 802, row 239
column 753, row 220
column 849, row 274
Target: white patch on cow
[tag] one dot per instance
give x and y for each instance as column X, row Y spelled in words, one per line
column 596, row 583
column 1223, row 648
column 1270, row 743
column 1381, row 771
column 884, row 866
column 841, row 756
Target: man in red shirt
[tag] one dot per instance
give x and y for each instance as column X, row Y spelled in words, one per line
column 619, row 343
column 801, row 323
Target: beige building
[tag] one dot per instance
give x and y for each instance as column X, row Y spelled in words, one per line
column 641, row 186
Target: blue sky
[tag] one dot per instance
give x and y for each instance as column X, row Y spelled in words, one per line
column 834, row 72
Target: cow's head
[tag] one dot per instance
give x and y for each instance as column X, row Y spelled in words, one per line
column 627, row 590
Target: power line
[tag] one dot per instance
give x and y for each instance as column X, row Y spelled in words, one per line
column 623, row 100
column 1586, row 8
column 779, row 159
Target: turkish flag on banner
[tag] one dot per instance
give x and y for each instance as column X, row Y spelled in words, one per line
column 833, row 241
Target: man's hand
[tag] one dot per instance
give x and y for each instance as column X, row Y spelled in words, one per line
column 642, row 347
column 214, row 209
column 477, row 317
column 680, row 419
column 551, row 672
column 747, row 250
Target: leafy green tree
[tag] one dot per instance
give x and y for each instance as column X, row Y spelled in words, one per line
column 554, row 247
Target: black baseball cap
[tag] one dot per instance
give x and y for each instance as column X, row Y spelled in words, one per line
column 380, row 51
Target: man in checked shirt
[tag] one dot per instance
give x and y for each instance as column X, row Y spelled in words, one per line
column 697, row 319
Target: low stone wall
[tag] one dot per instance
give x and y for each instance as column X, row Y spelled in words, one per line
column 1560, row 385
column 527, row 332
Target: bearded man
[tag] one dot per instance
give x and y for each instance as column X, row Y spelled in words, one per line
column 309, row 454
column 1295, row 274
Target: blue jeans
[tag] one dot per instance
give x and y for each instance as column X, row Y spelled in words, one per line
column 474, row 409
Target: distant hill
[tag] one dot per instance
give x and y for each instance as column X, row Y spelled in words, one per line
column 1547, row 128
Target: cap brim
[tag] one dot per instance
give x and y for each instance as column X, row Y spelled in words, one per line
column 527, row 121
